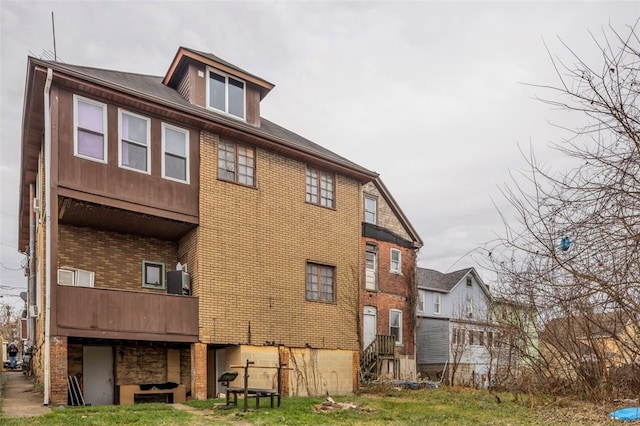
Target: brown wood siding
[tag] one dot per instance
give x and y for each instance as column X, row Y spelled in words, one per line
column 198, row 84
column 111, row 181
column 253, row 105
column 183, row 86
column 117, row 314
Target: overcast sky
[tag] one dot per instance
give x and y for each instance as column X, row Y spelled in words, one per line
column 428, row 94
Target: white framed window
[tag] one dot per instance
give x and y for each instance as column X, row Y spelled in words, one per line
column 469, row 307
column 225, row 93
column 395, row 325
column 370, row 209
column 436, row 303
column 422, row 297
column 396, row 261
column 371, row 266
column 175, row 153
column 89, row 129
column 153, row 275
column 134, row 142
column 75, row 277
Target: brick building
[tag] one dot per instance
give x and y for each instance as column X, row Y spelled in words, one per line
column 175, row 233
column 388, row 291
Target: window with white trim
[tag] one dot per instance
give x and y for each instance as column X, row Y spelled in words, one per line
column 225, row 93
column 90, row 129
column 134, row 141
column 395, row 325
column 320, row 188
column 236, row 163
column 469, row 307
column 436, row 303
column 175, row 153
column 371, row 266
column 320, row 282
column 153, row 275
column 75, row 277
column 370, row 209
column 396, row 261
column 422, row 297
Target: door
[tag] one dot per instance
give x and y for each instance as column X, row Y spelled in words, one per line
column 97, row 375
column 369, row 325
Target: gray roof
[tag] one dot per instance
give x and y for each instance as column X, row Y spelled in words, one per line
column 434, row 280
column 152, row 86
column 221, row 61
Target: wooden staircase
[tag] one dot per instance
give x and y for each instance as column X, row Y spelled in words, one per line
column 382, row 348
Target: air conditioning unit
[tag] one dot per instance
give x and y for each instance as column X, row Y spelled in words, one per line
column 33, row 311
column 36, row 204
column 178, row 282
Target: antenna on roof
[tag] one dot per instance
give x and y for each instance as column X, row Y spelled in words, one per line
column 53, row 26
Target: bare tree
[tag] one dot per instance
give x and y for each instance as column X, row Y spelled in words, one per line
column 574, row 251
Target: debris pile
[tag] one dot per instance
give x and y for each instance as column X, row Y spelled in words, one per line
column 329, row 405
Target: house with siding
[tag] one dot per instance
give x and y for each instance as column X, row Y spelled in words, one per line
column 388, row 289
column 174, row 233
column 455, row 330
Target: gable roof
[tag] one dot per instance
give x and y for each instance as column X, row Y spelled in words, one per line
column 404, row 221
column 430, row 279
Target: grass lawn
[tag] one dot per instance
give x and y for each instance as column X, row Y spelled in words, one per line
column 392, row 407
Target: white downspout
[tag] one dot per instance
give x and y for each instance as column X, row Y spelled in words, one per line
column 47, row 205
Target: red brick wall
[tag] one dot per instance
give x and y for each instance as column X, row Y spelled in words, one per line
column 58, row 368
column 395, row 291
column 199, row 371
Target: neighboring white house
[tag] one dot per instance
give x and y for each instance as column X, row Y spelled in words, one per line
column 455, row 336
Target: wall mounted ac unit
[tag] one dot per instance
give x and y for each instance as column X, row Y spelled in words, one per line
column 33, row 311
column 36, row 204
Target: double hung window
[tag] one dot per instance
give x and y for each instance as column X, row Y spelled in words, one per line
column 395, row 325
column 436, row 303
column 396, row 261
column 370, row 209
column 90, row 129
column 134, row 144
column 371, row 266
column 175, row 153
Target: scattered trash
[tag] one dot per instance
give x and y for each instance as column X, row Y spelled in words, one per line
column 329, row 405
column 631, row 413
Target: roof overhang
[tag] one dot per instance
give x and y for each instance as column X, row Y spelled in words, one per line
column 184, row 55
column 193, row 116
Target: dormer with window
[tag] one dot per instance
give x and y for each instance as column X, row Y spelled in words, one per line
column 207, row 81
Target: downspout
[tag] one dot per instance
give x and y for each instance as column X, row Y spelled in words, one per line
column 47, row 206
column 31, row 291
